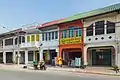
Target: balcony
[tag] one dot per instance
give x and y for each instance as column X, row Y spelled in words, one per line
column 29, row 45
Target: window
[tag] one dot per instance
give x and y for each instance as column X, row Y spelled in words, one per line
column 46, row 36
column 64, row 34
column 99, row 27
column 19, row 39
column 23, row 39
column 56, row 34
column 16, row 40
column 70, row 32
column 110, row 27
column 28, row 39
column 37, row 37
column 78, row 32
column 32, row 38
column 30, row 55
column 90, row 30
column 9, row 41
column 52, row 35
column 49, row 37
column 43, row 37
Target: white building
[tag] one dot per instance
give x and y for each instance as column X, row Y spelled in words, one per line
column 49, row 38
column 32, row 44
column 9, row 46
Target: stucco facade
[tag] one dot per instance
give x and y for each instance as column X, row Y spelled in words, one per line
column 49, row 39
column 103, row 40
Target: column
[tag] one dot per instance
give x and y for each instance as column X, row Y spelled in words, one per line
column 118, row 59
column 34, row 55
column 94, row 29
column 41, row 54
column 85, row 56
column 116, row 55
column 105, row 27
column 26, row 57
column 14, row 56
column 4, row 57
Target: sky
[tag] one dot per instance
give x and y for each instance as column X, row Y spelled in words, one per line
column 16, row 13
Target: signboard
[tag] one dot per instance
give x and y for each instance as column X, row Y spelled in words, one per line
column 73, row 40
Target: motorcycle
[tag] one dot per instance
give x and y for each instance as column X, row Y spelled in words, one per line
column 43, row 66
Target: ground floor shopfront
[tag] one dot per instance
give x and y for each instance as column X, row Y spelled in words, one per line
column 26, row 56
column 103, row 54
column 70, row 53
column 49, row 55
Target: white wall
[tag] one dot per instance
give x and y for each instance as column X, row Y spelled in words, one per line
column 106, row 41
column 50, row 44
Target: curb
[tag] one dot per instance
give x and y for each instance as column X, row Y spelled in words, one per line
column 89, row 72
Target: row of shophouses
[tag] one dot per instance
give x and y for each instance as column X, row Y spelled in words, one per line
column 93, row 36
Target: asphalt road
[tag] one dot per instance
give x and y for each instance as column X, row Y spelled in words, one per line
column 51, row 75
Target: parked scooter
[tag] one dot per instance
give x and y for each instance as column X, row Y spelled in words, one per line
column 42, row 65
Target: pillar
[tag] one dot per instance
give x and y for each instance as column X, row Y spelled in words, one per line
column 41, row 54
column 26, row 57
column 116, row 55
column 4, row 57
column 85, row 56
column 118, row 59
column 14, row 56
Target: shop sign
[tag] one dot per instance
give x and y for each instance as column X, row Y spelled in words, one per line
column 73, row 40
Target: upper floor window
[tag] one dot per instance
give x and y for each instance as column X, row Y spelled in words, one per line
column 52, row 35
column 28, row 39
column 19, row 39
column 56, row 34
column 110, row 27
column 46, row 37
column 49, row 36
column 78, row 32
column 70, row 32
column 43, row 37
column 33, row 38
column 89, row 30
column 16, row 40
column 99, row 27
column 37, row 37
column 23, row 39
column 64, row 34
column 9, row 42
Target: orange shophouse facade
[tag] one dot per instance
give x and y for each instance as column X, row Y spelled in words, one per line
column 71, row 41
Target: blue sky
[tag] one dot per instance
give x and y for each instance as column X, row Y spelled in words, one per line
column 15, row 13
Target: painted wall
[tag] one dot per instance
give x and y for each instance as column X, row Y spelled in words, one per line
column 31, row 40
column 50, row 44
column 71, row 41
column 113, row 17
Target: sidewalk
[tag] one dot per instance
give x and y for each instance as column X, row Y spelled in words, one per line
column 90, row 70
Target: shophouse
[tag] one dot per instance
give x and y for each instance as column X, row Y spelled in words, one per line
column 49, row 38
column 71, row 41
column 101, row 35
column 9, row 46
column 31, row 45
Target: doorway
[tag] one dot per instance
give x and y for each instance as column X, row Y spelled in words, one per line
column 102, row 57
column 9, row 56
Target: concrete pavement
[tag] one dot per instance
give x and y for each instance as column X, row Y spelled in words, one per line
column 51, row 75
column 90, row 70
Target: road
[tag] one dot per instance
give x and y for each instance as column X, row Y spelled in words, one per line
column 51, row 75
